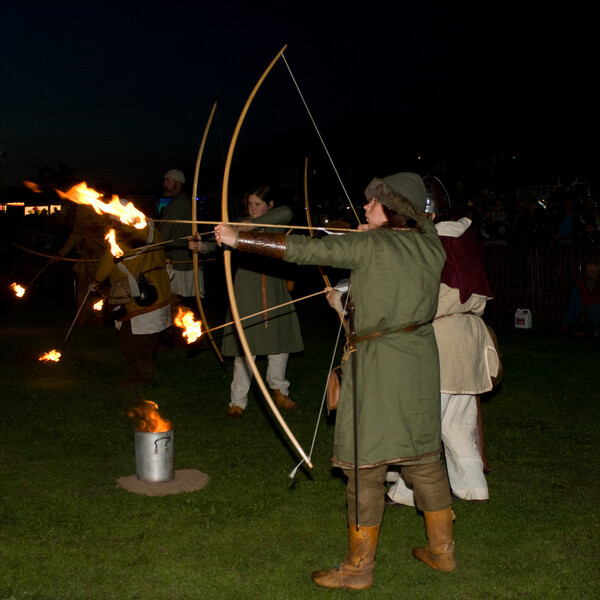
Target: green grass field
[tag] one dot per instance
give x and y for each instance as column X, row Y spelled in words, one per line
column 69, row 531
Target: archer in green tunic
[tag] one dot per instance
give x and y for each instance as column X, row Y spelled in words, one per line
column 259, row 285
column 396, row 266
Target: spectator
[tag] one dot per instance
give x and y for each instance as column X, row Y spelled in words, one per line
column 583, row 311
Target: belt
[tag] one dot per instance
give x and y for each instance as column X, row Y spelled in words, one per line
column 369, row 336
column 350, row 345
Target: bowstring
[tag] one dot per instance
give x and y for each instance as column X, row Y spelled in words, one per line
column 321, row 138
column 333, row 358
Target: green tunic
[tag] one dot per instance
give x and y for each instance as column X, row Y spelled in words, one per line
column 395, row 277
column 272, row 331
column 179, row 208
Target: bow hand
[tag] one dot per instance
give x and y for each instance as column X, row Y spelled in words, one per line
column 196, row 244
column 226, row 236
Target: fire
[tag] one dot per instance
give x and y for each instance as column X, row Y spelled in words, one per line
column 34, row 187
column 81, row 194
column 98, row 306
column 148, row 418
column 53, row 355
column 185, row 320
column 114, row 247
column 19, row 291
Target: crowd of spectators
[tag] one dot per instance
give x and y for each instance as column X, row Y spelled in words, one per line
column 562, row 215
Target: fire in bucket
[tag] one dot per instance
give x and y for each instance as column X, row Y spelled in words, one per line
column 154, row 444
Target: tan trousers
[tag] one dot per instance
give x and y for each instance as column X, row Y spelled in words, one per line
column 429, row 481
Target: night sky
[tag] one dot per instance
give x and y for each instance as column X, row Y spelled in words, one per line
column 121, row 92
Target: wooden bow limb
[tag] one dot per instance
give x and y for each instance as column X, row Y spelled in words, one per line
column 47, row 255
column 228, row 272
column 195, row 252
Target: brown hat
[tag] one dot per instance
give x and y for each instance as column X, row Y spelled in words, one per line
column 403, row 193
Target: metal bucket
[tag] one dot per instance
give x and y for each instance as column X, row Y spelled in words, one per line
column 154, row 455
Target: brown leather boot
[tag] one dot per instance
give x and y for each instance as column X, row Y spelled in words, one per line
column 439, row 552
column 356, row 572
column 235, row 412
column 284, row 401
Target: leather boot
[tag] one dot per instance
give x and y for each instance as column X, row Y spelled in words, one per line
column 285, row 402
column 356, row 572
column 439, row 552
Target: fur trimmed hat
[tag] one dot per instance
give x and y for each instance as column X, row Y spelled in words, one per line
column 404, row 193
column 175, row 175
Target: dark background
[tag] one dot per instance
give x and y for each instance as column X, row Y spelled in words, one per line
column 492, row 92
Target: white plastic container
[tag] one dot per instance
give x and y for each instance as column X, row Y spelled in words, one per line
column 523, row 318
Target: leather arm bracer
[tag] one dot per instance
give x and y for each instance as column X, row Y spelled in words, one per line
column 271, row 245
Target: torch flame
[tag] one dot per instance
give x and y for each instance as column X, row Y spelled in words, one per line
column 114, row 247
column 53, row 355
column 148, row 418
column 98, row 306
column 185, row 320
column 19, row 291
column 81, row 194
column 34, row 187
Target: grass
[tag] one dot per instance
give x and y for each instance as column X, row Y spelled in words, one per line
column 69, row 531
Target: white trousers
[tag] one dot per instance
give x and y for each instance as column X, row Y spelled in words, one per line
column 242, row 378
column 182, row 282
column 463, row 460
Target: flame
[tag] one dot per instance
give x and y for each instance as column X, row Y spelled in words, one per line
column 19, row 290
column 81, row 194
column 148, row 418
column 114, row 247
column 185, row 320
column 53, row 355
column 98, row 306
column 34, row 187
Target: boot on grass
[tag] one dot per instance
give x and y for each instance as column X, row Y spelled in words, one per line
column 356, row 572
column 284, row 401
column 439, row 552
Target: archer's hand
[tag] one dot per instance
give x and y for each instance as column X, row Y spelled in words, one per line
column 225, row 234
column 334, row 298
column 196, row 244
